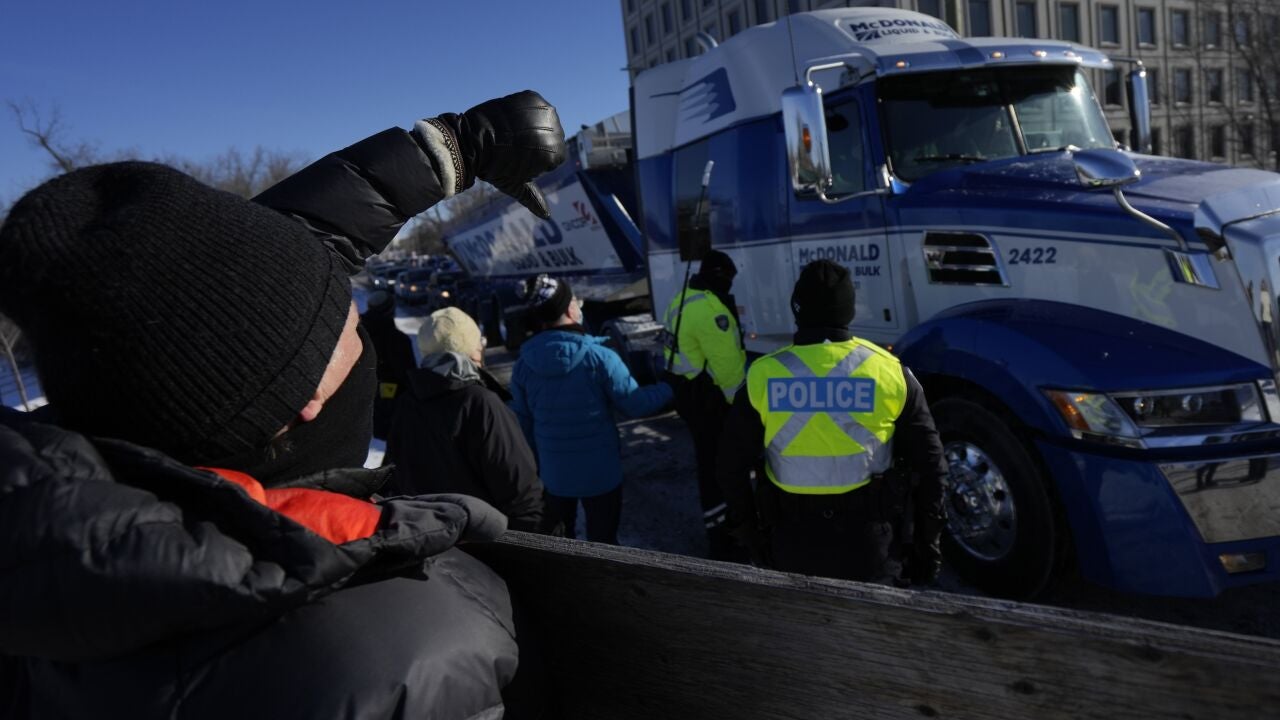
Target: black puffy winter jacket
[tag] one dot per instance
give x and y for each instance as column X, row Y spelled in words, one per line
column 134, row 586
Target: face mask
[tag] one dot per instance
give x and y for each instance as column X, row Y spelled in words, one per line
column 337, row 438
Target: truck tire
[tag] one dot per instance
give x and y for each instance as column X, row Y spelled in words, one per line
column 1001, row 534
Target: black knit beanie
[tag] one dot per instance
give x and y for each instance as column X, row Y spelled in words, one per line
column 717, row 264
column 823, row 297
column 548, row 298
column 167, row 313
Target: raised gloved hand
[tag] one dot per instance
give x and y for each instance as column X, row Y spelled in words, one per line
column 506, row 142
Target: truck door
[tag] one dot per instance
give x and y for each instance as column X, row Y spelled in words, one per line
column 852, row 232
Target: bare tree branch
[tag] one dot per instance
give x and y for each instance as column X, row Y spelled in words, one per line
column 47, row 134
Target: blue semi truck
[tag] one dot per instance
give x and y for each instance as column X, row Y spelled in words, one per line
column 1095, row 328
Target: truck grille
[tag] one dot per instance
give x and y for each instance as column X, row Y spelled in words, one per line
column 962, row 259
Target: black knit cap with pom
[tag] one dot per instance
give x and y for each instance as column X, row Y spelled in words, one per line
column 167, row 313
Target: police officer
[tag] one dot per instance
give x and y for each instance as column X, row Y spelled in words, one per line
column 707, row 365
column 832, row 414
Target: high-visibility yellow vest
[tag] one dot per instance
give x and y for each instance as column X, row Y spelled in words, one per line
column 709, row 340
column 828, row 413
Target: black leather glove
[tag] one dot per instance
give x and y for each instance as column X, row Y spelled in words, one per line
column 508, row 142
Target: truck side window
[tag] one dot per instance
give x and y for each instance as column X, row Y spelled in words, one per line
column 691, row 162
column 844, row 134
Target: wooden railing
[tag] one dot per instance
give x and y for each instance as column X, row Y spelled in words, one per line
column 632, row 633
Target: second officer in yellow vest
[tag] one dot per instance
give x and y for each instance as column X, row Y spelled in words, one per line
column 831, row 414
column 704, row 347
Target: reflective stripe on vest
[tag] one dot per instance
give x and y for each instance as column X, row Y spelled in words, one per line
column 682, row 365
column 818, row 474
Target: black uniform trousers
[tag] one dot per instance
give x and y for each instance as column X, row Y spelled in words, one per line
column 701, row 404
column 850, row 536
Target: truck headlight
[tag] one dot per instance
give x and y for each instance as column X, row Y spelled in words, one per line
column 1223, row 405
column 1121, row 418
column 1094, row 416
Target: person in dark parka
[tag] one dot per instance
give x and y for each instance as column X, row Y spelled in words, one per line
column 395, row 357
column 193, row 537
column 453, row 432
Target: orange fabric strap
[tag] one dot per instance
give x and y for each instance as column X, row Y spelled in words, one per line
column 335, row 517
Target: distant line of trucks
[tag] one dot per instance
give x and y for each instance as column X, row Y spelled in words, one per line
column 1096, row 329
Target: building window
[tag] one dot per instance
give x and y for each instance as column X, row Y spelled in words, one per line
column 1242, row 30
column 1244, row 84
column 708, row 3
column 1112, row 89
column 671, row 54
column 635, row 39
column 734, row 19
column 667, row 20
column 980, row 18
column 764, row 13
column 1153, row 85
column 1146, row 26
column 686, row 10
column 1218, row 141
column 1026, row 19
column 930, row 7
column 793, row 7
column 648, row 29
column 1245, row 131
column 1109, row 24
column 690, row 47
column 1180, row 28
column 1182, row 85
column 1121, row 136
column 1156, row 138
column 1213, row 29
column 631, row 7
column 1213, row 85
column 1185, row 141
column 710, row 29
column 1068, row 21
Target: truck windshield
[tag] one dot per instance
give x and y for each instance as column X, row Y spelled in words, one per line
column 935, row 121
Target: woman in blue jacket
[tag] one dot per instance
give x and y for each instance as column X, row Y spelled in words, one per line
column 564, row 389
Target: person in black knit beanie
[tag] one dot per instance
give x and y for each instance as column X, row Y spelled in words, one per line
column 195, row 491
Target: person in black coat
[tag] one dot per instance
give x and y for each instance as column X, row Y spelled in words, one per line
column 193, row 536
column 395, row 357
column 452, row 431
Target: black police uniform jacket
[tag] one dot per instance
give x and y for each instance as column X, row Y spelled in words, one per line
column 134, row 586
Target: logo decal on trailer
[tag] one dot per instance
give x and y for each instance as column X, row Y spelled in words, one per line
column 706, row 99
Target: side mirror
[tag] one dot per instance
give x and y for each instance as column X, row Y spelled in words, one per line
column 805, row 127
column 1140, row 110
column 1103, row 168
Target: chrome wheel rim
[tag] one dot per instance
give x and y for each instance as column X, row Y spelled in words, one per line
column 981, row 516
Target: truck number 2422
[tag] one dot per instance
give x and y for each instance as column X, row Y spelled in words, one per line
column 1033, row 256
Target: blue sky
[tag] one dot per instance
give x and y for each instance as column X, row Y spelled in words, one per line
column 196, row 78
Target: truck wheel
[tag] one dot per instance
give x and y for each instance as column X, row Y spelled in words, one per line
column 1001, row 534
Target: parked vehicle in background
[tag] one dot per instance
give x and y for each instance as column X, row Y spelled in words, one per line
column 444, row 288
column 413, row 287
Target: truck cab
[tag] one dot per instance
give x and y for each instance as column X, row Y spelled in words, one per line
column 1095, row 328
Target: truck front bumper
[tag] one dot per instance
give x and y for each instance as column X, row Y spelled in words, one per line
column 1171, row 528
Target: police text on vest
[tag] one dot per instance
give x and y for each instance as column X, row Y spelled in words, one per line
column 809, row 395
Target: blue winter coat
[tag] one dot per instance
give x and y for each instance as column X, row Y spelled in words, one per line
column 563, row 389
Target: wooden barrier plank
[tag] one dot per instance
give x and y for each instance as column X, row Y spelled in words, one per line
column 639, row 634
